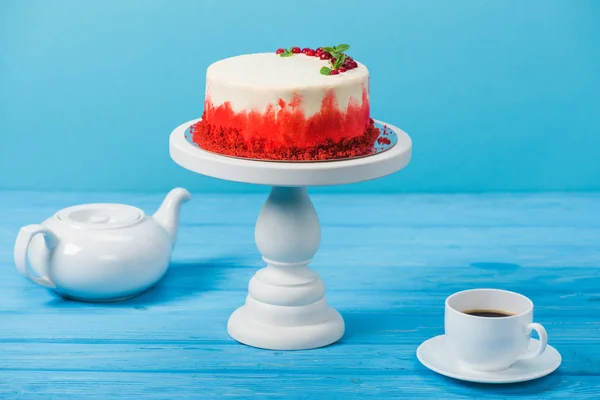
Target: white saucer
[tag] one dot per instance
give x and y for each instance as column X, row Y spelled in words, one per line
column 433, row 355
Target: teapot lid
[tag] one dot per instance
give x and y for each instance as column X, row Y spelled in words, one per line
column 101, row 216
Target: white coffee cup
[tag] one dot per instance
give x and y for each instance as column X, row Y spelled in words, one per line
column 491, row 343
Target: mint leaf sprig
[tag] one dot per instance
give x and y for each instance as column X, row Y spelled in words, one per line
column 339, row 61
column 325, row 71
column 337, row 54
column 336, row 51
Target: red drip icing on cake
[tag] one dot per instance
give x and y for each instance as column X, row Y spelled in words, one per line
column 282, row 131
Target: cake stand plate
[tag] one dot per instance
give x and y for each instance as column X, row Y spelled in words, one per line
column 286, row 308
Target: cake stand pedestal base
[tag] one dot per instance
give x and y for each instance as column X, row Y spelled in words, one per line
column 286, row 307
column 247, row 331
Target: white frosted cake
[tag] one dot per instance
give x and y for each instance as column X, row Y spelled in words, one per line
column 290, row 105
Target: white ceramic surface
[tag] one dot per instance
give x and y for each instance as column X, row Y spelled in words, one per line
column 100, row 252
column 491, row 344
column 274, row 173
column 434, row 354
column 286, row 307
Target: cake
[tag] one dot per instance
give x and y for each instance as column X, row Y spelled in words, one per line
column 291, row 104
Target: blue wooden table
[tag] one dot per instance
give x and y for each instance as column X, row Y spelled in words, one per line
column 388, row 263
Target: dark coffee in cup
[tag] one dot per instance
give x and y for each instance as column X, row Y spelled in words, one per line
column 481, row 312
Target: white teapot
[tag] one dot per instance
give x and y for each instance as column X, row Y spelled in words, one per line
column 100, row 252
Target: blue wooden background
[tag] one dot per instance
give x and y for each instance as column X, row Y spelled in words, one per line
column 497, row 95
column 387, row 268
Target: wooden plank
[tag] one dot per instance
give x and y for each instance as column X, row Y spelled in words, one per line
column 579, row 302
column 411, row 210
column 418, row 231
column 397, row 246
column 371, row 317
column 197, row 279
column 34, row 385
column 367, row 359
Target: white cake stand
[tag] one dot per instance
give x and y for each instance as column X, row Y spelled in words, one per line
column 286, row 307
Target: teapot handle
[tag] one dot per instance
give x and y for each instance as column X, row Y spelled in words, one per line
column 24, row 238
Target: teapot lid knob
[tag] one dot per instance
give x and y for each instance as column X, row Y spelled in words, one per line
column 98, row 218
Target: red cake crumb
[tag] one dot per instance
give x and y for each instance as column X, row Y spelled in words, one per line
column 283, row 132
column 383, row 140
column 231, row 142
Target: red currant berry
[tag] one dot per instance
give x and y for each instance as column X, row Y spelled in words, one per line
column 350, row 65
column 333, row 60
column 305, row 50
column 334, row 72
column 325, row 56
column 342, row 69
column 319, row 49
column 310, row 52
column 279, row 51
column 296, row 50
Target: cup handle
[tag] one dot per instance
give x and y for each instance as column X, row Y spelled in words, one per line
column 541, row 331
column 24, row 238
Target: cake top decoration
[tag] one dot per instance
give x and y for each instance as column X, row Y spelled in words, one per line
column 339, row 61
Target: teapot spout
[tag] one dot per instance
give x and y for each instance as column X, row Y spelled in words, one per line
column 167, row 215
